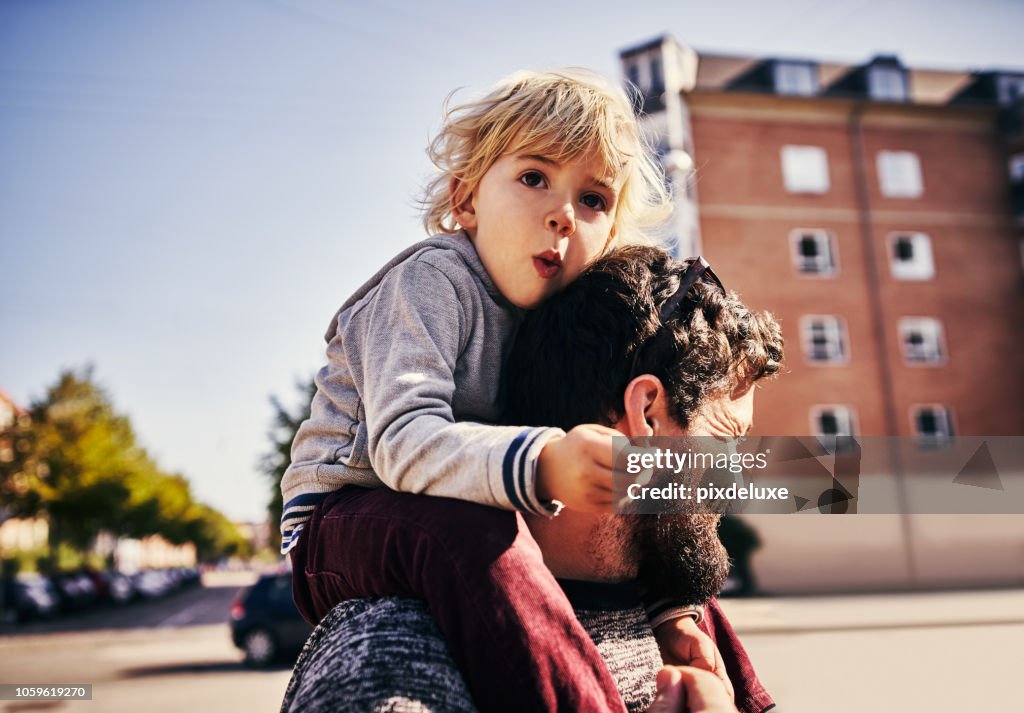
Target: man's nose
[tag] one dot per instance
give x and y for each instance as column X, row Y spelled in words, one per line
column 562, row 220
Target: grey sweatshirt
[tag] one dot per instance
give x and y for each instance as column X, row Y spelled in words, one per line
column 414, row 360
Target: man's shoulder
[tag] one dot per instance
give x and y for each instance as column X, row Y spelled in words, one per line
column 358, row 659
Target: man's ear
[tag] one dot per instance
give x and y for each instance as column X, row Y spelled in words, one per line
column 462, row 204
column 645, row 404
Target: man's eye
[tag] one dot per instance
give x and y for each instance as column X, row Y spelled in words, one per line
column 593, row 201
column 533, row 179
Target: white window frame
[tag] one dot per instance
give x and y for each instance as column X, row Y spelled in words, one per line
column 932, row 350
column 827, row 263
column 795, row 78
column 944, row 421
column 804, row 169
column 837, row 341
column 887, row 83
column 921, row 265
column 899, row 174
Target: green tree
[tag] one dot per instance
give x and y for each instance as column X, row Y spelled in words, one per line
column 77, row 462
column 71, row 460
column 282, row 434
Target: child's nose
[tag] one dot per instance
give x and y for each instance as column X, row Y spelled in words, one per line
column 562, row 220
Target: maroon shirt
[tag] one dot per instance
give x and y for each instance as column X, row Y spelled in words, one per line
column 751, row 696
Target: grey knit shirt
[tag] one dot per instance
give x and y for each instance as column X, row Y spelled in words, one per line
column 387, row 655
column 414, row 361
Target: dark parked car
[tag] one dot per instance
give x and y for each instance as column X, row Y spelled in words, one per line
column 28, row 597
column 265, row 623
column 75, row 591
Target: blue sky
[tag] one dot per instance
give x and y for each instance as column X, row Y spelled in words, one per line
column 188, row 190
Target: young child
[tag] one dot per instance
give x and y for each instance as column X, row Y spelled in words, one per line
column 537, row 180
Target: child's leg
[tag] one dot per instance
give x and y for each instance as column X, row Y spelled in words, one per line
column 509, row 626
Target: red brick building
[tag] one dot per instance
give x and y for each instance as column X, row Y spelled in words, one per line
column 876, row 210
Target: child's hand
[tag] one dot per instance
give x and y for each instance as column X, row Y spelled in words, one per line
column 682, row 643
column 577, row 469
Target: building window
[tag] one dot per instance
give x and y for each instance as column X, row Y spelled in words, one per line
column 1010, row 88
column 887, row 84
column 899, row 174
column 932, row 425
column 824, row 339
column 833, row 425
column 657, row 80
column 633, row 73
column 805, row 169
column 814, row 252
column 796, row 78
column 910, row 256
column 922, row 340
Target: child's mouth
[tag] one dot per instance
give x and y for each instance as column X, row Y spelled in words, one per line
column 547, row 264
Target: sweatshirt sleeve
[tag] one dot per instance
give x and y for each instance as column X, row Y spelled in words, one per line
column 414, row 332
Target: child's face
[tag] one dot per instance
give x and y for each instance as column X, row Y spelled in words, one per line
column 537, row 223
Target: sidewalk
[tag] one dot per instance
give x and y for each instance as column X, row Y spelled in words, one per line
column 875, row 611
column 941, row 652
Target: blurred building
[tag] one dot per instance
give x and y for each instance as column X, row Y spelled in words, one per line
column 132, row 555
column 878, row 211
column 257, row 534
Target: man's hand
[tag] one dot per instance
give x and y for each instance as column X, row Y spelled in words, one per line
column 682, row 643
column 577, row 469
column 689, row 690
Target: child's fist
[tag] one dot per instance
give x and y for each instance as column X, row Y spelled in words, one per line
column 682, row 643
column 577, row 469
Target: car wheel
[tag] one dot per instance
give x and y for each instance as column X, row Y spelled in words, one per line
column 260, row 648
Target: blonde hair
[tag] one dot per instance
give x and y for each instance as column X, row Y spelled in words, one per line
column 562, row 115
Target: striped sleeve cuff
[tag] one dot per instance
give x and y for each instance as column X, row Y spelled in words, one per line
column 519, row 471
column 668, row 609
column 296, row 513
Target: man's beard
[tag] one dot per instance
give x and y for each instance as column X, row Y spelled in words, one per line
column 680, row 556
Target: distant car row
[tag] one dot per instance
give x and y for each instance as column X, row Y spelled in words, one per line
column 32, row 596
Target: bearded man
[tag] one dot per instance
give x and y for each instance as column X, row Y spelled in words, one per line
column 650, row 346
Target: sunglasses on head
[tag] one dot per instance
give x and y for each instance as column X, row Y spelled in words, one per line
column 699, row 270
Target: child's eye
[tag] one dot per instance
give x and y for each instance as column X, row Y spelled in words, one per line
column 533, row 179
column 593, row 201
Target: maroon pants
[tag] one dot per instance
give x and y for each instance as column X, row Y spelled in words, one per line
column 509, row 626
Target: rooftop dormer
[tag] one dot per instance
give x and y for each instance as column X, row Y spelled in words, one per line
column 779, row 76
column 884, row 78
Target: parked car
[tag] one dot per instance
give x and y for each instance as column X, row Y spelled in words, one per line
column 112, row 586
column 265, row 624
column 28, row 597
column 151, row 583
column 75, row 591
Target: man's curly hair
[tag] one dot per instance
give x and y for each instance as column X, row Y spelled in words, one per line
column 575, row 354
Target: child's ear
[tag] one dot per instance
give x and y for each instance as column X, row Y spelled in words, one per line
column 462, row 204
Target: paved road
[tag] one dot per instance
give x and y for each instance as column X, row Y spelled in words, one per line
column 166, row 656
column 899, row 653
